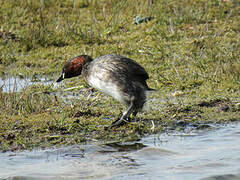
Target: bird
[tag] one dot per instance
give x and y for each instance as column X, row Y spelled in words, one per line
column 115, row 75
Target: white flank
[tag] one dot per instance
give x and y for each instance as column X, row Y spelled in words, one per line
column 106, row 87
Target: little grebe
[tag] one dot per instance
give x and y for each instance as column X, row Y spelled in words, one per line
column 115, row 75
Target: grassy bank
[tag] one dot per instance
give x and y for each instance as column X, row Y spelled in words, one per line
column 191, row 50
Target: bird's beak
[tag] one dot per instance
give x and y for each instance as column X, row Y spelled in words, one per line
column 61, row 77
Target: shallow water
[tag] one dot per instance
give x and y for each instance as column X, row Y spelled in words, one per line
column 16, row 84
column 212, row 154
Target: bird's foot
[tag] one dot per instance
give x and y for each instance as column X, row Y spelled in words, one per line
column 120, row 122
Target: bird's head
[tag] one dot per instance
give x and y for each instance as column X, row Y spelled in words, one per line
column 74, row 67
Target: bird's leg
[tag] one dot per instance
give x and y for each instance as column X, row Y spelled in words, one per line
column 125, row 116
column 135, row 112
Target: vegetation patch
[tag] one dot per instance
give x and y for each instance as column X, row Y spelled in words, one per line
column 189, row 48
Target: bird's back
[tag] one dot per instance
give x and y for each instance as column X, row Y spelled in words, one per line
column 119, row 67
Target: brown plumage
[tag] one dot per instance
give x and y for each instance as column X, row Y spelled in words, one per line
column 74, row 67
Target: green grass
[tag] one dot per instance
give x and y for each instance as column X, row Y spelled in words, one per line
column 189, row 46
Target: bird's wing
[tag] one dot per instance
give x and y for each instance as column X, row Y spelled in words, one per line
column 122, row 65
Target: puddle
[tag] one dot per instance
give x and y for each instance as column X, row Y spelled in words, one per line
column 15, row 84
column 202, row 155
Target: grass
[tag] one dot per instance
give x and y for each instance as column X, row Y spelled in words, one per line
column 189, row 48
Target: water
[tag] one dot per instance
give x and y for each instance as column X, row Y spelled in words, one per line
column 15, row 84
column 200, row 155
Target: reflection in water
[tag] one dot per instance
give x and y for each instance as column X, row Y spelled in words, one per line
column 203, row 155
